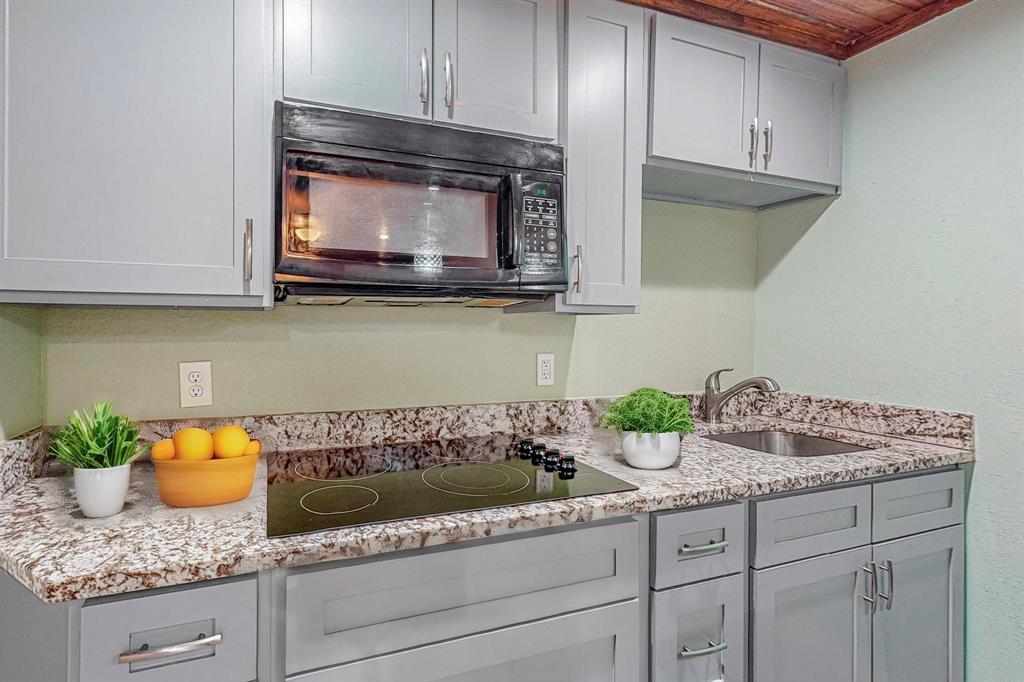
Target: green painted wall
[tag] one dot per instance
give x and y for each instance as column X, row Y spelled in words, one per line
column 910, row 287
column 697, row 314
column 20, row 348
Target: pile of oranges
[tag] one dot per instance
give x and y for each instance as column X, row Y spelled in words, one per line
column 199, row 444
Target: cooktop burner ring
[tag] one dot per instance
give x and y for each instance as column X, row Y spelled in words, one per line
column 526, row 480
column 388, row 464
column 302, row 500
column 508, row 479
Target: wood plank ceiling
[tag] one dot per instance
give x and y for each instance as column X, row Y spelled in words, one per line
column 837, row 28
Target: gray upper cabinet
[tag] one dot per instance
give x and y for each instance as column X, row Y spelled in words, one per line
column 361, row 54
column 496, row 65
column 606, row 122
column 137, row 153
column 918, row 626
column 704, row 98
column 811, row 620
column 800, row 111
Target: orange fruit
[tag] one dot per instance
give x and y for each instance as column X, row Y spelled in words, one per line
column 253, row 448
column 193, row 443
column 162, row 450
column 229, row 441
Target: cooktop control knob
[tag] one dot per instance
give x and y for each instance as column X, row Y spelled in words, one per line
column 567, row 468
column 551, row 460
column 525, row 448
column 537, row 456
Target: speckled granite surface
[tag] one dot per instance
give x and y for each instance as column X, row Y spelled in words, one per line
column 50, row 547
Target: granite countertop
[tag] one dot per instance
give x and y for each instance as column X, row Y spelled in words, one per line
column 48, row 545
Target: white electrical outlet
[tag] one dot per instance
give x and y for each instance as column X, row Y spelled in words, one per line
column 195, row 383
column 545, row 369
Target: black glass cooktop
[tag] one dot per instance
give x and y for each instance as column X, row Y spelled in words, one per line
column 314, row 490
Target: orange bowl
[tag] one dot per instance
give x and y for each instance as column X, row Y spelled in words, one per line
column 191, row 483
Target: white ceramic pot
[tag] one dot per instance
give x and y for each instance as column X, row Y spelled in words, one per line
column 101, row 492
column 650, row 450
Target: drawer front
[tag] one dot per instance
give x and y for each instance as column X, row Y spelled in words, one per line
column 598, row 645
column 696, row 545
column 110, row 628
column 802, row 526
column 697, row 632
column 380, row 605
column 914, row 505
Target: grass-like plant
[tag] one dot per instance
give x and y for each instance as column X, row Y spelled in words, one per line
column 649, row 410
column 96, row 441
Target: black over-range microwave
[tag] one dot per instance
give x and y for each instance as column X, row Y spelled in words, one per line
column 381, row 210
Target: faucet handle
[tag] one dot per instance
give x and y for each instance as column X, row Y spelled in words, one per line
column 712, row 380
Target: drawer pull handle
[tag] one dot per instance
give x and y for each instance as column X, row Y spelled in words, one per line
column 144, row 653
column 887, row 569
column 710, row 547
column 711, row 648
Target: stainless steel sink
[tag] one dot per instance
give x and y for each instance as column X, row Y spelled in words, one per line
column 786, row 444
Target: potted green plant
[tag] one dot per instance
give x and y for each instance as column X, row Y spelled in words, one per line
column 650, row 422
column 100, row 447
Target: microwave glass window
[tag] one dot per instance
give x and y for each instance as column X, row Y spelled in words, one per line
column 375, row 219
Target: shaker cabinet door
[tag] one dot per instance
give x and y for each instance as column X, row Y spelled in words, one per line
column 496, row 65
column 918, row 628
column 697, row 632
column 800, row 112
column 136, row 148
column 360, row 54
column 704, row 98
column 811, row 621
column 605, row 152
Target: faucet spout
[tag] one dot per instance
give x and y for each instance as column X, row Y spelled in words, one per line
column 715, row 398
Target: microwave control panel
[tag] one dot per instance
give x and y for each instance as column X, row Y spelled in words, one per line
column 543, row 228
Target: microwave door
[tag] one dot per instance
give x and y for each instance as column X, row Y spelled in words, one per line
column 374, row 222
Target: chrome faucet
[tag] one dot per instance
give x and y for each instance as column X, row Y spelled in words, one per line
column 715, row 398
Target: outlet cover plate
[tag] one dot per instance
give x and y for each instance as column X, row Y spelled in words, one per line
column 545, row 369
column 195, row 383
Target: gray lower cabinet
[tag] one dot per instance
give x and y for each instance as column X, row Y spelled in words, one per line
column 698, row 632
column 917, row 630
column 812, row 620
column 595, row 645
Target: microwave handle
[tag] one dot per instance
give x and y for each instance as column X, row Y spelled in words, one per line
column 518, row 225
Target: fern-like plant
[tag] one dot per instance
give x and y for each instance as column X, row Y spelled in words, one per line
column 96, row 441
column 649, row 410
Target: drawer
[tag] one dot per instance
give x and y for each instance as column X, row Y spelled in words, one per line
column 697, row 544
column 698, row 633
column 597, row 645
column 914, row 505
column 801, row 526
column 226, row 610
column 360, row 609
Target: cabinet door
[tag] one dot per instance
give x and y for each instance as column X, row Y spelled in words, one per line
column 496, row 65
column 359, row 54
column 800, row 107
column 599, row 645
column 604, row 148
column 136, row 147
column 697, row 632
column 811, row 620
column 704, row 97
column 918, row 628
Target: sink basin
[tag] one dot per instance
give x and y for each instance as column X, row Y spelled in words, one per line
column 786, row 444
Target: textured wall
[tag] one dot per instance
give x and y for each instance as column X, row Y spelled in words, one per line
column 20, row 402
column 697, row 314
column 910, row 287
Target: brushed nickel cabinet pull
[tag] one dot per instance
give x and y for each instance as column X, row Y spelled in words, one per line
column 449, row 85
column 769, row 139
column 144, row 653
column 887, row 568
column 872, row 596
column 247, row 252
column 710, row 547
column 424, row 77
column 753, row 142
column 711, row 648
column 578, row 286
